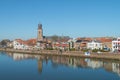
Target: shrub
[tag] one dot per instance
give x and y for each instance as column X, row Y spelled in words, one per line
column 72, row 49
column 85, row 50
column 49, row 48
column 95, row 50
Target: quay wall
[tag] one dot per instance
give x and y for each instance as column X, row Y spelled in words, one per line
column 112, row 56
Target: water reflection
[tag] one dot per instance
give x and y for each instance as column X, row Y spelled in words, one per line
column 19, row 56
column 75, row 62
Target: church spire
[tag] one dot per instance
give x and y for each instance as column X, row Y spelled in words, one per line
column 40, row 33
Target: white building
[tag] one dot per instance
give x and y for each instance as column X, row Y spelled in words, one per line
column 94, row 45
column 116, row 44
column 19, row 44
column 71, row 43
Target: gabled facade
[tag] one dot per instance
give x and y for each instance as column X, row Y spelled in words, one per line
column 81, row 43
column 116, row 44
column 19, row 44
column 94, row 45
column 60, row 45
column 24, row 45
column 107, row 43
column 71, row 43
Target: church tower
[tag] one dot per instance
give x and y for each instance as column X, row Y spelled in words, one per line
column 40, row 33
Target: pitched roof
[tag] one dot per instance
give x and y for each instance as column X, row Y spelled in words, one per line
column 30, row 42
column 83, row 39
column 103, row 39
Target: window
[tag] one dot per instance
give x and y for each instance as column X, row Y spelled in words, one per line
column 96, row 44
column 114, row 43
column 118, row 39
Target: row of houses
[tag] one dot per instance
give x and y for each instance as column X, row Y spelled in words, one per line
column 93, row 43
column 104, row 43
column 77, row 44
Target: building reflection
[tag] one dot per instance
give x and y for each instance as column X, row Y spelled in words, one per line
column 40, row 66
column 116, row 68
column 111, row 66
column 75, row 62
column 107, row 66
column 19, row 56
column 94, row 64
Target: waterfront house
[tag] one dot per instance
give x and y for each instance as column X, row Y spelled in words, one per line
column 94, row 45
column 19, row 44
column 81, row 43
column 24, row 45
column 10, row 44
column 60, row 45
column 71, row 43
column 77, row 44
column 106, row 43
column 116, row 45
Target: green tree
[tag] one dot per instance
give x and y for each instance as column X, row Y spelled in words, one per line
column 4, row 42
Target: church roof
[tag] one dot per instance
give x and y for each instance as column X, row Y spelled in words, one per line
column 39, row 26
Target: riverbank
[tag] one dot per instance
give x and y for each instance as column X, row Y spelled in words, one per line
column 112, row 56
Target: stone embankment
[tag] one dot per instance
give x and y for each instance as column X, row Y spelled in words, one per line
column 112, row 56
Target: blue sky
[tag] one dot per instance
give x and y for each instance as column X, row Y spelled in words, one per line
column 74, row 18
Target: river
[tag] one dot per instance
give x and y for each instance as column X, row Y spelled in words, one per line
column 18, row 66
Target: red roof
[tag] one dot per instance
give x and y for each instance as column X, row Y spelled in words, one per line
column 104, row 39
column 61, row 45
column 86, row 39
column 30, row 42
column 101, row 39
